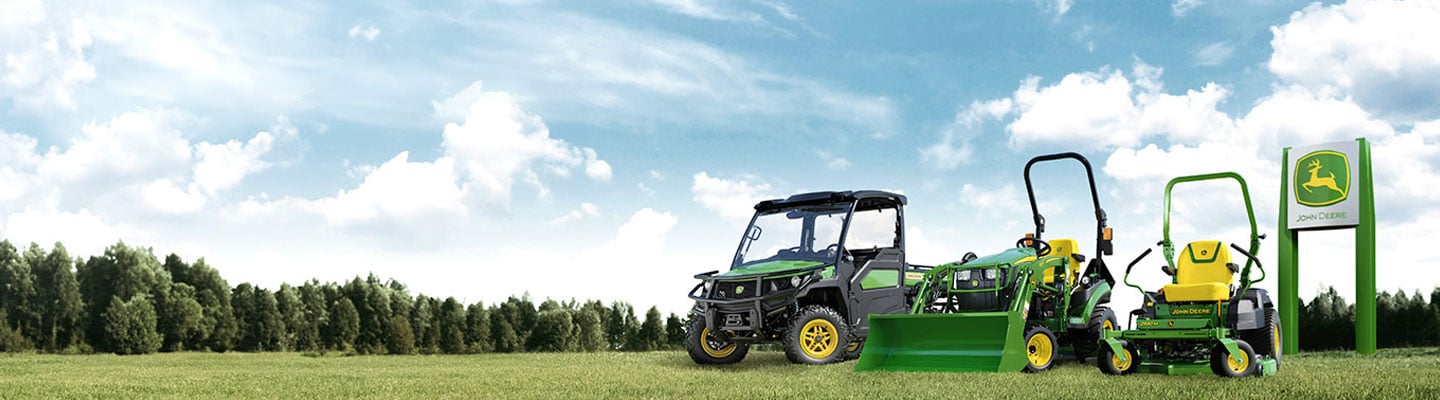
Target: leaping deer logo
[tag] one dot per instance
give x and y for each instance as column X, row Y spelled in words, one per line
column 1316, row 181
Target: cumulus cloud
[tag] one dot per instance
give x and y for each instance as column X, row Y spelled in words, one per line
column 833, row 162
column 586, row 210
column 42, row 67
column 1181, row 7
column 956, row 140
column 1380, row 52
column 368, row 33
column 732, row 199
column 399, row 190
column 133, row 144
column 1214, row 54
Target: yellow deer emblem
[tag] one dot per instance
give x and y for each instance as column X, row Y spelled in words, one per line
column 1316, row 181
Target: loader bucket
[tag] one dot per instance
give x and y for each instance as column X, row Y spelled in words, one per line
column 960, row 342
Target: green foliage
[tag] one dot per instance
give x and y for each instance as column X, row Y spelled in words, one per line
column 504, row 336
column 652, row 331
column 477, row 328
column 674, row 332
column 551, row 332
column 130, row 325
column 344, row 325
column 180, row 316
column 451, row 319
column 591, row 331
column 401, row 339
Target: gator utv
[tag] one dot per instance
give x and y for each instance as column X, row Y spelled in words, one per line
column 1011, row 311
column 1200, row 319
column 808, row 270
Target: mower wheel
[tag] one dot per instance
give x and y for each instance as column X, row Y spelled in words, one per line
column 816, row 335
column 1040, row 349
column 1111, row 364
column 706, row 348
column 1087, row 341
column 1266, row 339
column 1221, row 363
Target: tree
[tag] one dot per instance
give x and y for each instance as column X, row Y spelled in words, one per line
column 344, row 325
column 420, row 320
column 674, row 332
column 551, row 332
column 615, row 327
column 504, row 336
column 121, row 272
column 261, row 326
column 313, row 316
column 400, row 338
column 452, row 323
column 180, row 316
column 61, row 307
column 217, row 329
column 477, row 328
column 652, row 331
column 592, row 332
column 130, row 325
column 17, row 293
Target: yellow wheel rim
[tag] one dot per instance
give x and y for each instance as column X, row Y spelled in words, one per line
column 715, row 348
column 1241, row 366
column 1108, row 326
column 819, row 339
column 1039, row 349
column 1121, row 365
column 1276, row 350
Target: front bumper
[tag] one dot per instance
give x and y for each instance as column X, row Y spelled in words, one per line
column 743, row 318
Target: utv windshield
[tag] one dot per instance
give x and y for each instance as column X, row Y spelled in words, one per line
column 804, row 233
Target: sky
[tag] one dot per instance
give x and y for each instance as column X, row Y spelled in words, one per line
column 611, row 150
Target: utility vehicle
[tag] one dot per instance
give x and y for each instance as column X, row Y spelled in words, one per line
column 807, row 272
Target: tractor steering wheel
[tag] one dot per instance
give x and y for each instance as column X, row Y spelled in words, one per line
column 1041, row 247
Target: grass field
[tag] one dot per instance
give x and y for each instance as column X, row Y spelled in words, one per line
column 1392, row 374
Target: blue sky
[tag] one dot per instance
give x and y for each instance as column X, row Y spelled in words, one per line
column 612, row 149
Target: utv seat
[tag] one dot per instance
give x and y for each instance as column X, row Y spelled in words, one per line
column 1064, row 247
column 1203, row 273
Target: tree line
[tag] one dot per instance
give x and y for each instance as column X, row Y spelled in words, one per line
column 1328, row 322
column 127, row 301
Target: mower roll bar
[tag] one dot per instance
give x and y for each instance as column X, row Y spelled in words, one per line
column 1103, row 245
column 1255, row 236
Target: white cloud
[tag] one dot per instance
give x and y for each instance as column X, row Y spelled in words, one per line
column 699, row 9
column 1187, row 118
column 223, row 166
column 42, row 69
column 955, row 146
column 82, row 232
column 733, row 200
column 919, row 249
column 134, row 144
column 596, row 168
column 1380, row 52
column 164, row 196
column 1214, row 54
column 416, row 193
column 368, row 33
column 1083, row 110
column 833, row 162
column 1059, row 7
column 586, row 210
column 1181, row 7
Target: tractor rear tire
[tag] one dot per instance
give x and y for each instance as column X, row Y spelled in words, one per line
column 1111, row 365
column 1267, row 340
column 1221, row 364
column 1040, row 349
column 1087, row 341
column 816, row 335
column 707, row 349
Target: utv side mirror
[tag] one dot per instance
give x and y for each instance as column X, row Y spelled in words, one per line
column 753, row 234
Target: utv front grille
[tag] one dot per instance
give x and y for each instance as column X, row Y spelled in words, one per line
column 735, row 290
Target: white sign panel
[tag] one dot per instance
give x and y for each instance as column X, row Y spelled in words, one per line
column 1321, row 178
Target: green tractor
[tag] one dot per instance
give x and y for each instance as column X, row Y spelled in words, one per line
column 1012, row 311
column 1200, row 319
column 808, row 270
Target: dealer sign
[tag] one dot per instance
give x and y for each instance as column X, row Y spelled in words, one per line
column 1321, row 177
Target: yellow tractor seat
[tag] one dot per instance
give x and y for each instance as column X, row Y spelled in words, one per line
column 1203, row 273
column 1067, row 248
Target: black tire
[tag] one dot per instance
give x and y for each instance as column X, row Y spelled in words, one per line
column 853, row 351
column 816, row 335
column 1087, row 341
column 1111, row 365
column 1267, row 340
column 1040, row 349
column 710, row 350
column 1220, row 364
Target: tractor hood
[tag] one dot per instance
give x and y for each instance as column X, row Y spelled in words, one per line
column 771, row 267
column 1010, row 256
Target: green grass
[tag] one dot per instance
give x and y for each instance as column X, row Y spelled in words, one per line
column 1392, row 374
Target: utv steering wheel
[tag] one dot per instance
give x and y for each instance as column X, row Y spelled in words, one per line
column 1041, row 247
column 831, row 250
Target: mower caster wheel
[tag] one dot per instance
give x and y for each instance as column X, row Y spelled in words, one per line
column 1223, row 365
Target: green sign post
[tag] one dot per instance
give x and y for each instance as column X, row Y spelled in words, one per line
column 1327, row 186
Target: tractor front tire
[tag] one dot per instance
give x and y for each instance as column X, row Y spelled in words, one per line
column 1221, row 363
column 1087, row 341
column 816, row 335
column 1266, row 340
column 1040, row 349
column 709, row 349
column 1111, row 364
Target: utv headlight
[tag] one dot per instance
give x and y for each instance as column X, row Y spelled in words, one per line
column 795, row 281
column 709, row 285
column 990, row 274
column 962, row 275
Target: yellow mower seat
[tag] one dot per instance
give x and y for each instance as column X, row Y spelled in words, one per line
column 1202, row 273
column 1063, row 247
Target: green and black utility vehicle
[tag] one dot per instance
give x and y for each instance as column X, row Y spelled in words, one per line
column 1011, row 311
column 1201, row 319
column 808, row 271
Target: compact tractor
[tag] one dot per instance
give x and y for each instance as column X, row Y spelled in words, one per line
column 1011, row 311
column 1201, row 319
column 808, row 271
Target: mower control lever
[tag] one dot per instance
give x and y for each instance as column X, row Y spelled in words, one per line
column 1137, row 261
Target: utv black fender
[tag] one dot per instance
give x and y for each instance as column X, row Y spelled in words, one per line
column 823, row 294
